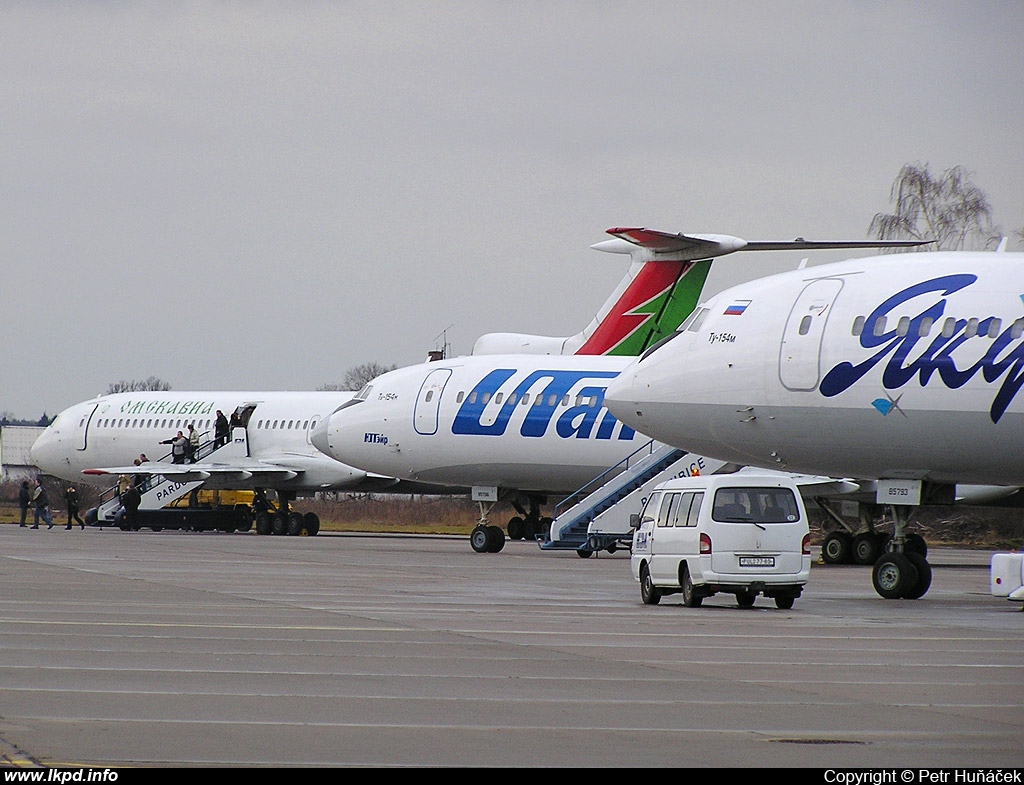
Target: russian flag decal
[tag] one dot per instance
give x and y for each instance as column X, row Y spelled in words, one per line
column 737, row 308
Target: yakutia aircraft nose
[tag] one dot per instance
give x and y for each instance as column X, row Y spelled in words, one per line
column 620, row 397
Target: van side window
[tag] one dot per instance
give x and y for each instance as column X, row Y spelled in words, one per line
column 694, row 511
column 668, row 507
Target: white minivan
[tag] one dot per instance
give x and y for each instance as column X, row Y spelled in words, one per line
column 745, row 534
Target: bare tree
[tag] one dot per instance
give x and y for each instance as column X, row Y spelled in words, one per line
column 357, row 376
column 948, row 210
column 152, row 383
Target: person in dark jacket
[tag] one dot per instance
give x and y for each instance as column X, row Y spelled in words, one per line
column 71, row 499
column 221, row 430
column 42, row 502
column 24, row 499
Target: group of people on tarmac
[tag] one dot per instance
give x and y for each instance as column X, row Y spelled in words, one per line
column 38, row 499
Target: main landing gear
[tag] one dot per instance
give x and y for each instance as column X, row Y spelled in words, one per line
column 486, row 538
column 281, row 521
column 900, row 569
column 903, row 573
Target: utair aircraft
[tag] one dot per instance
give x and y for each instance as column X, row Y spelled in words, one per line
column 904, row 369
column 520, row 427
column 99, row 439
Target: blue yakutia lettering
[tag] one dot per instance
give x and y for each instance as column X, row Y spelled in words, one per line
column 574, row 422
column 1004, row 358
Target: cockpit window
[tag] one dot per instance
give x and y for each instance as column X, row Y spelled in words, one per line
column 364, row 393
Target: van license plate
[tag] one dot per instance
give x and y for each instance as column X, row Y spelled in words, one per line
column 757, row 561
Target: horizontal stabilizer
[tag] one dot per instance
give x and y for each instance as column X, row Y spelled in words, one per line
column 708, row 246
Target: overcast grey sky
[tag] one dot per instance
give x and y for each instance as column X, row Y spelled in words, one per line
column 262, row 195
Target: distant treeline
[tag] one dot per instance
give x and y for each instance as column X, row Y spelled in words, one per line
column 7, row 419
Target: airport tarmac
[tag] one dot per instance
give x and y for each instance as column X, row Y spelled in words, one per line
column 178, row 649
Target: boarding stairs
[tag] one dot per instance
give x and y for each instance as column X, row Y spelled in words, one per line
column 159, row 491
column 597, row 516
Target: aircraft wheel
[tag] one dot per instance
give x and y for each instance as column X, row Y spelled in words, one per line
column 649, row 593
column 893, row 576
column 584, row 553
column 924, row 577
column 480, row 539
column 516, row 529
column 264, row 524
column 915, row 544
column 293, row 524
column 784, row 603
column 866, row 548
column 745, row 599
column 836, row 548
column 497, row 539
column 311, row 524
column 690, row 597
column 279, row 524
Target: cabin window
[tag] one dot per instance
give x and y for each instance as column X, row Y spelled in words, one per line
column 948, row 327
column 428, row 396
column 526, row 399
column 858, row 325
column 805, row 325
column 972, row 328
column 485, row 398
column 498, row 397
column 472, row 397
column 565, row 400
column 305, row 424
column 512, row 398
column 1017, row 330
column 995, row 326
column 274, row 426
column 458, row 398
column 925, row 326
column 903, row 326
column 552, row 400
column 879, row 327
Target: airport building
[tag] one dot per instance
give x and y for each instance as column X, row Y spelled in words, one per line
column 16, row 452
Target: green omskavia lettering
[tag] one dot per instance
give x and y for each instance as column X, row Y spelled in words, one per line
column 183, row 408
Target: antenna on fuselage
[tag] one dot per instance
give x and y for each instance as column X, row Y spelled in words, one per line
column 442, row 353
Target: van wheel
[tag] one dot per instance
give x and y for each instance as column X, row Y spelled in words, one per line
column 649, row 593
column 690, row 597
column 784, row 603
column 745, row 599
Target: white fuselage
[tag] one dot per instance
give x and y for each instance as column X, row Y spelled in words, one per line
column 112, row 430
column 530, row 423
column 901, row 366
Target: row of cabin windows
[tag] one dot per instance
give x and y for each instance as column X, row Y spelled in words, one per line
column 538, row 400
column 200, row 424
column 993, row 329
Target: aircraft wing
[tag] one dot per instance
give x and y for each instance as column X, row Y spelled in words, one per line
column 708, row 246
column 258, row 471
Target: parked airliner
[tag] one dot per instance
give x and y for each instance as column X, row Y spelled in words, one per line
column 903, row 369
column 99, row 439
column 515, row 427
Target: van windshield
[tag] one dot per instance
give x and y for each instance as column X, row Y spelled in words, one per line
column 755, row 505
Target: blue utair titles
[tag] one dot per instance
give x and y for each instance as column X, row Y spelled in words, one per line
column 1004, row 358
column 575, row 422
